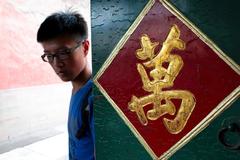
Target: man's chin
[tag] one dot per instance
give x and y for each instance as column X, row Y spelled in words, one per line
column 64, row 79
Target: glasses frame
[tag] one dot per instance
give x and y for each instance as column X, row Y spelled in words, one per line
column 68, row 51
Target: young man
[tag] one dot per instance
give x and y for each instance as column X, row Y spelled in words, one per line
column 63, row 37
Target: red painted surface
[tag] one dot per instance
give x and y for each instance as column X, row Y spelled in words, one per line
column 20, row 62
column 206, row 75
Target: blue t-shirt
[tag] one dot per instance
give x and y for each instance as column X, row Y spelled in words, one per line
column 81, row 147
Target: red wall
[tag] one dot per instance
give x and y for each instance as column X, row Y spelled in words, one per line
column 20, row 61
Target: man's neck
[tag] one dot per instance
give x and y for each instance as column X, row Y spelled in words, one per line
column 81, row 80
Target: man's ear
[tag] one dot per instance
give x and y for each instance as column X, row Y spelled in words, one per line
column 85, row 47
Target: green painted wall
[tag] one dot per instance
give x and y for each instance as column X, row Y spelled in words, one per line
column 219, row 20
column 110, row 20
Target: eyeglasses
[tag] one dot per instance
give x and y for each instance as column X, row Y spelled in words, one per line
column 61, row 55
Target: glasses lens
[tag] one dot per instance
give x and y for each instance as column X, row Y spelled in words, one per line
column 49, row 58
column 63, row 55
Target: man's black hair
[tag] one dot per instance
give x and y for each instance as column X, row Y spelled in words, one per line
column 61, row 24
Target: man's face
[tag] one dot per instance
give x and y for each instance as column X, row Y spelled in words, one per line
column 69, row 67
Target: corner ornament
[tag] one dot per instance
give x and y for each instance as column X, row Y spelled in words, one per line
column 165, row 67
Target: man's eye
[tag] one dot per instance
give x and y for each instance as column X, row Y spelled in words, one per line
column 49, row 56
column 64, row 52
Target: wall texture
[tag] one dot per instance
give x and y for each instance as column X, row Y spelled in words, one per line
column 110, row 20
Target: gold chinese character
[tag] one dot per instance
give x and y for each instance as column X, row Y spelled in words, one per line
column 165, row 68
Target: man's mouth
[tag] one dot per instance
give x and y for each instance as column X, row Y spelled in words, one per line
column 60, row 72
